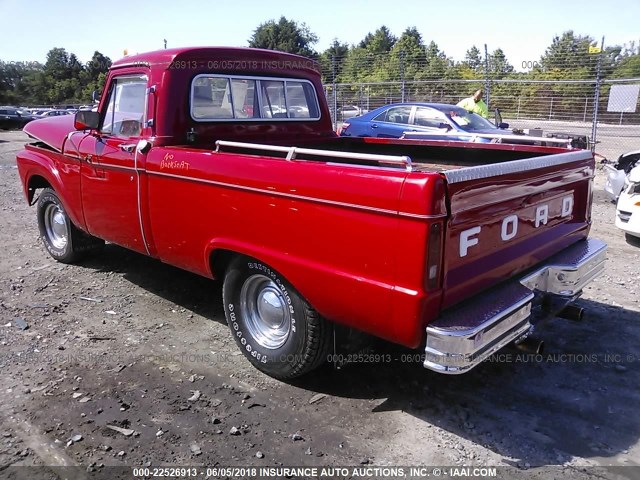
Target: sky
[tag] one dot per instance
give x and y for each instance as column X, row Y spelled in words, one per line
column 30, row 28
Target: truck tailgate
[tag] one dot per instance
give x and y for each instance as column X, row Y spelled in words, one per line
column 505, row 218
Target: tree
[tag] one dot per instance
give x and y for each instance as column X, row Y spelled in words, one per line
column 569, row 53
column 380, row 41
column 94, row 74
column 473, row 59
column 499, row 67
column 408, row 56
column 285, row 36
column 63, row 79
column 629, row 67
column 337, row 53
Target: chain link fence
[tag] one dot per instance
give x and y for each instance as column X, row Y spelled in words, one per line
column 607, row 111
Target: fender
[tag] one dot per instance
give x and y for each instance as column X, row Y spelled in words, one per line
column 60, row 172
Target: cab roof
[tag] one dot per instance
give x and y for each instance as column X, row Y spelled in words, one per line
column 164, row 58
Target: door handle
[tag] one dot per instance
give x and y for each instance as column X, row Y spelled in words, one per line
column 128, row 147
column 374, row 126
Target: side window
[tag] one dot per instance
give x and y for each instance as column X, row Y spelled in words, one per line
column 273, row 99
column 298, row 100
column 245, row 98
column 427, row 117
column 220, row 98
column 125, row 107
column 211, row 97
column 396, row 115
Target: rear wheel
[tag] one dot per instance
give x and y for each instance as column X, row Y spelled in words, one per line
column 63, row 240
column 276, row 329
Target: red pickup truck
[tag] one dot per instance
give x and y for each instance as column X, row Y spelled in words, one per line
column 223, row 161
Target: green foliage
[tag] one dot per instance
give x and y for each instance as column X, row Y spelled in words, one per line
column 380, row 41
column 380, row 60
column 61, row 80
column 473, row 59
column 285, row 36
column 334, row 55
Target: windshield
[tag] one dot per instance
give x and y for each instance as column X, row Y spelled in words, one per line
column 467, row 121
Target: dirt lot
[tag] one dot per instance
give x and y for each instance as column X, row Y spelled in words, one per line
column 125, row 341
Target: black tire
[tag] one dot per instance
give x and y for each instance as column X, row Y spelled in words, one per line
column 274, row 327
column 63, row 240
column 632, row 240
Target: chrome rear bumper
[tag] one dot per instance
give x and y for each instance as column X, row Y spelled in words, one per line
column 468, row 334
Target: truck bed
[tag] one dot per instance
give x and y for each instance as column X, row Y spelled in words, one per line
column 425, row 155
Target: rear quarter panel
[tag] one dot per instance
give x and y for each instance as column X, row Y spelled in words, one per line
column 332, row 230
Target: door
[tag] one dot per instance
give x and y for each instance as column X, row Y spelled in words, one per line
column 391, row 123
column 110, row 174
column 432, row 122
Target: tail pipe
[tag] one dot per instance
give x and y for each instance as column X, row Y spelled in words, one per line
column 571, row 312
column 531, row 345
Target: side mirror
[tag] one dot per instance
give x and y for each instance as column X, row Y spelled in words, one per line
column 95, row 96
column 498, row 116
column 86, row 120
column 503, row 125
column 446, row 126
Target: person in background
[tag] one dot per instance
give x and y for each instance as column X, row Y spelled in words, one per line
column 475, row 104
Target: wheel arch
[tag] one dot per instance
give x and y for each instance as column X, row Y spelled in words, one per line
column 35, row 182
column 219, row 260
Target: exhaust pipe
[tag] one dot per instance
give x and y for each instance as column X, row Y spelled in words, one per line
column 571, row 312
column 531, row 345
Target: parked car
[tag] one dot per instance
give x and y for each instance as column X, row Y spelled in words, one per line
column 12, row 118
column 617, row 172
column 54, row 113
column 392, row 121
column 350, row 111
column 628, row 208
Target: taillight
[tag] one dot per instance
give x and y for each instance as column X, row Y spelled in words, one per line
column 434, row 252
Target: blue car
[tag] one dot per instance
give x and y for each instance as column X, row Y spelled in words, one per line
column 440, row 120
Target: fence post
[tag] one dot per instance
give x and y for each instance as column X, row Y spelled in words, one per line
column 402, row 83
column 487, row 85
column 551, row 109
column 518, row 111
column 596, row 99
column 586, row 102
column 335, row 95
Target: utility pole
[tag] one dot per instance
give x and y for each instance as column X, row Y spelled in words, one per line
column 487, row 85
column 596, row 100
column 165, row 43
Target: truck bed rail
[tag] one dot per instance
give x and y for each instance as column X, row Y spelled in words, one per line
column 293, row 152
column 494, row 136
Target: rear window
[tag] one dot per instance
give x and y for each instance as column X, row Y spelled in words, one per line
column 225, row 97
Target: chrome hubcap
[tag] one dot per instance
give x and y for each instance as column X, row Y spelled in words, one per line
column 264, row 307
column 55, row 222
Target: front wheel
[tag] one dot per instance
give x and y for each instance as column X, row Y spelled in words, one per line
column 276, row 329
column 63, row 240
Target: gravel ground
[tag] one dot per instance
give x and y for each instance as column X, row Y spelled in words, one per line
column 129, row 362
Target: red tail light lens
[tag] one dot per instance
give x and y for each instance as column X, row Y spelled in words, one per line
column 343, row 128
column 434, row 253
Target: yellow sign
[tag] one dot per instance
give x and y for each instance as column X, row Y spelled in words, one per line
column 594, row 49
